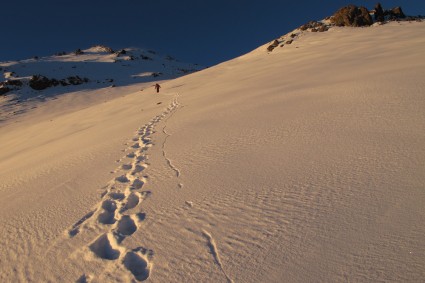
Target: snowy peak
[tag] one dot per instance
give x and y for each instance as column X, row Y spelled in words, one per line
column 97, row 65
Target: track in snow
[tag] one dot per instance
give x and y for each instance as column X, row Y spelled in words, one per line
column 116, row 216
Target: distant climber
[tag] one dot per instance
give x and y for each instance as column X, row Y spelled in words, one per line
column 157, row 87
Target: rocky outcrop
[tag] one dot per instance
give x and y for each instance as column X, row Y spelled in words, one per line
column 121, row 52
column 353, row 16
column 273, row 45
column 63, row 53
column 186, row 71
column 350, row 16
column 314, row 26
column 395, row 13
column 382, row 15
column 9, row 85
column 4, row 90
column 78, row 52
column 16, row 83
column 76, row 80
column 39, row 82
column 155, row 74
column 379, row 13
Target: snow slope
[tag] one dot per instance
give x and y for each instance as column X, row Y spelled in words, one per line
column 305, row 164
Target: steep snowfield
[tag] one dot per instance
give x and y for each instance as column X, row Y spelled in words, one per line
column 306, row 164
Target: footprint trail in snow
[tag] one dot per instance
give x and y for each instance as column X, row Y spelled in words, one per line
column 117, row 216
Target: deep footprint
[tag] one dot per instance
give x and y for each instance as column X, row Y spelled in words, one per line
column 132, row 201
column 136, row 145
column 137, row 265
column 108, row 216
column 138, row 184
column 126, row 166
column 122, row 179
column 103, row 247
column 117, row 195
column 138, row 169
column 126, row 226
column 141, row 158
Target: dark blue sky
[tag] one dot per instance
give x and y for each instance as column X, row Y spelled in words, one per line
column 196, row 31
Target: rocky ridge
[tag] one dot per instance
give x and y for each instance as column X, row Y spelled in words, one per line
column 348, row 16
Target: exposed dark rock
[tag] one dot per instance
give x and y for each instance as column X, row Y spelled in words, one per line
column 314, row 26
column 39, row 82
column 108, row 49
column 323, row 28
column 395, row 13
column 121, row 52
column 289, row 41
column 9, row 85
column 77, row 80
column 60, row 53
column 187, row 71
column 353, row 16
column 78, row 52
column 273, row 45
column 156, row 74
column 4, row 90
column 17, row 83
column 379, row 13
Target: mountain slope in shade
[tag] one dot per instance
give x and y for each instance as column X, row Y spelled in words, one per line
column 298, row 165
column 94, row 68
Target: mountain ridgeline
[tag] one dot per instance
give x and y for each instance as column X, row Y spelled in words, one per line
column 348, row 16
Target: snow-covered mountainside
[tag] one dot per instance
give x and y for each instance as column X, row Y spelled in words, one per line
column 304, row 164
column 27, row 82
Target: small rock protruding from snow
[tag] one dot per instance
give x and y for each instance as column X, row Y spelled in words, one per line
column 273, row 45
column 78, row 52
column 314, row 26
